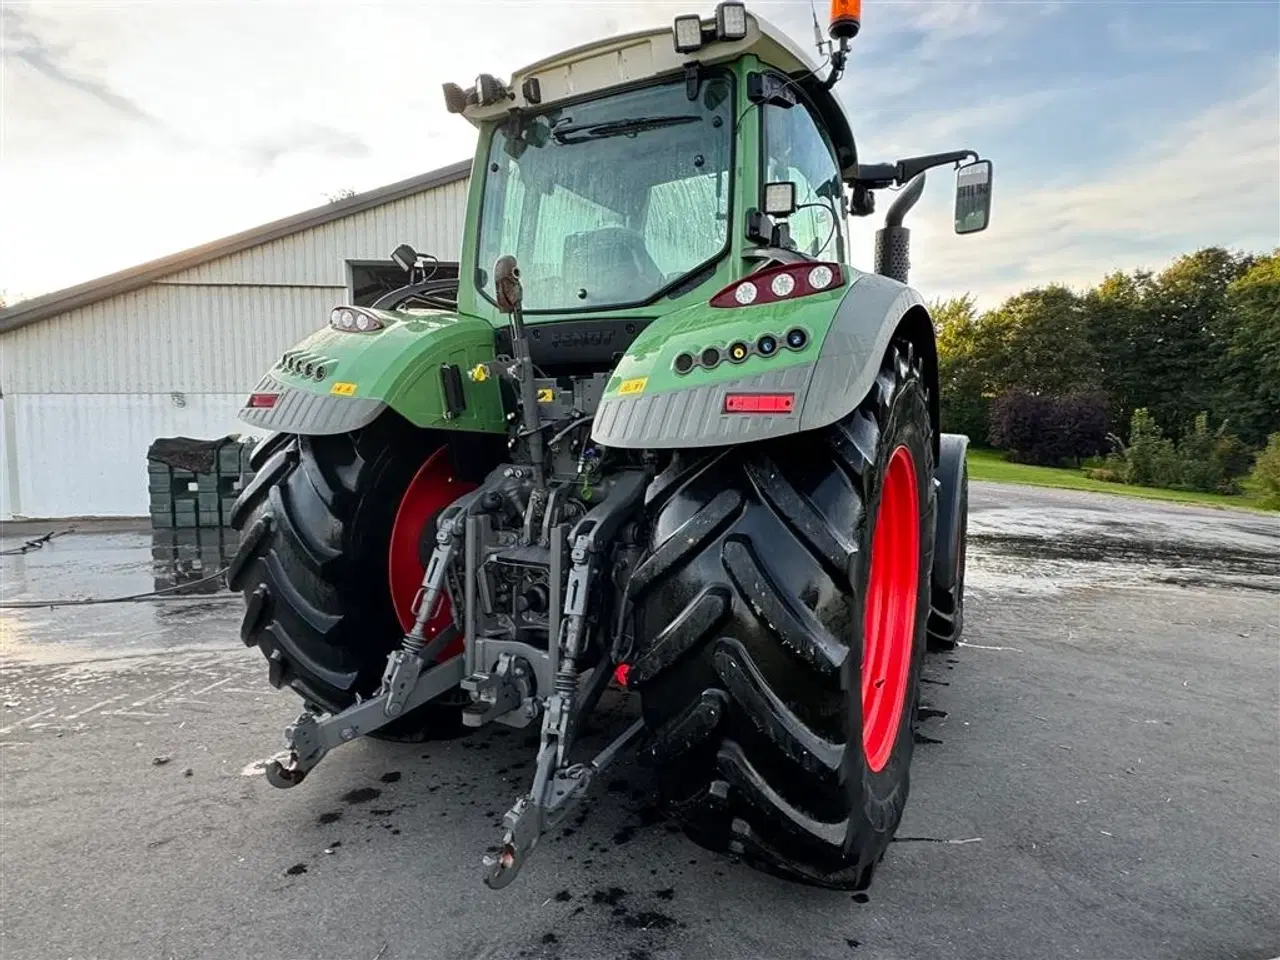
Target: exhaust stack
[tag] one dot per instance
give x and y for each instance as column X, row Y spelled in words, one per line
column 893, row 240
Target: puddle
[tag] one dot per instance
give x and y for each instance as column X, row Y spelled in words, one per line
column 1045, row 562
column 105, row 564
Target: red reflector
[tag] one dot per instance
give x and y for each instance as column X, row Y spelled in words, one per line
column 759, row 402
column 263, row 399
column 622, row 673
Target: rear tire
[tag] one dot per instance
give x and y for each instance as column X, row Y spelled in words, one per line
column 753, row 623
column 312, row 565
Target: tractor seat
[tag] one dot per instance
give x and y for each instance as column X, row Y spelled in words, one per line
column 611, row 263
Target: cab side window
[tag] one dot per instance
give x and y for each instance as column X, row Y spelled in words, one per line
column 796, row 150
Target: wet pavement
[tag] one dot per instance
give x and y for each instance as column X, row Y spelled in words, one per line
column 1096, row 776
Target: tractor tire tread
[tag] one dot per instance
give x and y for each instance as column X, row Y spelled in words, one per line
column 742, row 672
column 310, row 607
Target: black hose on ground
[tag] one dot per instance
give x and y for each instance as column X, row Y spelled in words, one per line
column 30, row 545
column 167, row 593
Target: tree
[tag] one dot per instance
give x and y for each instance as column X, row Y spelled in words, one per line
column 1039, row 340
column 1184, row 347
column 961, row 377
column 1250, row 369
column 1266, row 473
column 1050, row 429
column 346, row 193
column 1119, row 323
column 1201, row 336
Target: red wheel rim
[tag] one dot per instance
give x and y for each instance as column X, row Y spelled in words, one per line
column 889, row 625
column 432, row 489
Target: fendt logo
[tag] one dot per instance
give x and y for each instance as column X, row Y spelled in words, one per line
column 581, row 338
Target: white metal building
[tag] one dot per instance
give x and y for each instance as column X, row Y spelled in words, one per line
column 91, row 375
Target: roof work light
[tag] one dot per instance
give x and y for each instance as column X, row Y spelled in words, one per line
column 731, row 21
column 688, row 33
column 846, row 19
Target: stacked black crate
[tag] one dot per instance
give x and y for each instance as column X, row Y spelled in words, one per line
column 186, row 499
column 233, row 473
column 174, row 496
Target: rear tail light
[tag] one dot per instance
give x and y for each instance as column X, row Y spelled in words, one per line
column 263, row 401
column 759, row 402
column 354, row 320
column 784, row 282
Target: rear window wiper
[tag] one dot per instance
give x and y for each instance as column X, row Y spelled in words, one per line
column 580, row 132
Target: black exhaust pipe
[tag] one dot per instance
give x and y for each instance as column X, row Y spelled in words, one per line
column 893, row 240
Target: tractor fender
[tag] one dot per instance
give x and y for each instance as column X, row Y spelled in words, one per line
column 306, row 412
column 646, row 406
column 952, row 486
column 854, row 347
column 337, row 381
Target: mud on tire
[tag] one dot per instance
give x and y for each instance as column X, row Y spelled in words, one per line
column 312, row 564
column 750, row 636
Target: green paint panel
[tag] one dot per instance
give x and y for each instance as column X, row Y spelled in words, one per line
column 400, row 365
column 692, row 330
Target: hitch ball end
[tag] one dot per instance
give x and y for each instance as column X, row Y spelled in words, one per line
column 281, row 776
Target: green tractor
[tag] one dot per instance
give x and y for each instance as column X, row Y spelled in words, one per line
column 658, row 433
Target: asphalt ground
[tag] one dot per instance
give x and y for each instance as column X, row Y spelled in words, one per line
column 1097, row 775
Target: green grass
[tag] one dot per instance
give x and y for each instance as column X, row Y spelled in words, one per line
column 991, row 465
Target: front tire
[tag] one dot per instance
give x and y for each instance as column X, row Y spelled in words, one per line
column 316, row 562
column 781, row 620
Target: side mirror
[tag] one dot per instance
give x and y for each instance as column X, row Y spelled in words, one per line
column 780, row 198
column 973, row 197
column 405, row 257
column 506, row 284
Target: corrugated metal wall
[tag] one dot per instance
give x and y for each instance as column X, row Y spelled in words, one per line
column 215, row 328
column 84, row 455
column 86, row 392
column 431, row 221
column 164, row 338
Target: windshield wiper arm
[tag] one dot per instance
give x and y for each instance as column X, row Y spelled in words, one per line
column 579, row 132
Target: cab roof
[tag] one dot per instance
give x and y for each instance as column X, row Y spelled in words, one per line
column 635, row 57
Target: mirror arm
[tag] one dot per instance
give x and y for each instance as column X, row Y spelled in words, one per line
column 877, row 176
column 908, row 168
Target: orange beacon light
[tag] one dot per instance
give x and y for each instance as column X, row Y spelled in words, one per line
column 846, row 19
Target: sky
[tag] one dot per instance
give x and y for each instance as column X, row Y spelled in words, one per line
column 1123, row 133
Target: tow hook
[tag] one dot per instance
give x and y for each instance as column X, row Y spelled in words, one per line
column 546, row 805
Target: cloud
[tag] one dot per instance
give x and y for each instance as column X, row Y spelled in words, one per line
column 941, row 25
column 309, row 138
column 928, row 131
column 1129, row 38
column 909, row 53
column 1212, row 178
column 285, row 104
column 53, row 62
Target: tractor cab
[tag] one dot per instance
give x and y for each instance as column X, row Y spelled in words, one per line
column 636, row 174
column 629, row 177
